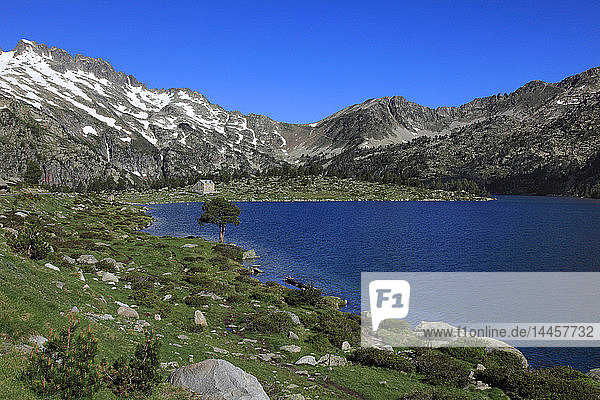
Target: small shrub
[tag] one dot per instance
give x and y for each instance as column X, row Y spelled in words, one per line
column 202, row 281
column 66, row 367
column 245, row 279
column 236, row 298
column 373, row 357
column 309, row 296
column 229, row 251
column 198, row 269
column 338, row 327
column 144, row 293
column 434, row 394
column 195, row 300
column 138, row 374
column 273, row 322
column 104, row 265
column 441, row 369
column 269, row 298
column 473, row 355
column 30, row 241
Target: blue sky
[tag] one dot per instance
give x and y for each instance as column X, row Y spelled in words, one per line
column 301, row 61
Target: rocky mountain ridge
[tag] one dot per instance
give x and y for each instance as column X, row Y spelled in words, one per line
column 80, row 119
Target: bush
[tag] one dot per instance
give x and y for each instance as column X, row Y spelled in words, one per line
column 229, row 251
column 434, row 394
column 137, row 375
column 31, row 241
column 473, row 355
column 338, row 327
column 441, row 369
column 195, row 300
column 198, row 269
column 556, row 383
column 144, row 293
column 273, row 322
column 104, row 265
column 66, row 367
column 201, row 280
column 309, row 296
column 373, row 357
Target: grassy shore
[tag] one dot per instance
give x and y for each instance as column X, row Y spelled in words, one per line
column 165, row 276
column 300, row 189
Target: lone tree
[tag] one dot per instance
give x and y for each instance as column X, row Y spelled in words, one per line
column 33, row 174
column 220, row 212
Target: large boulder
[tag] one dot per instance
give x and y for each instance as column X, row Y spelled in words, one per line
column 128, row 312
column 218, row 380
column 199, row 318
column 87, row 259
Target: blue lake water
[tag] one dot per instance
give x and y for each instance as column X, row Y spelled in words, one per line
column 330, row 243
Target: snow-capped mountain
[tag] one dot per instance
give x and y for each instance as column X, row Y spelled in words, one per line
column 147, row 132
column 81, row 119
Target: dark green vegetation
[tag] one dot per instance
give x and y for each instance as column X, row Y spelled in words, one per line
column 218, row 211
column 248, row 321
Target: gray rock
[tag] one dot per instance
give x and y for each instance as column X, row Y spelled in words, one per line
column 292, row 348
column 293, row 336
column 54, row 267
column 38, row 341
column 249, row 255
column 331, row 360
column 21, row 214
column 346, row 346
column 69, row 260
column 87, row 259
column 218, row 380
column 183, row 337
column 294, row 317
column 128, row 312
column 80, row 276
column 594, row 374
column 13, row 231
column 60, row 285
column 480, row 367
column 109, row 277
column 295, row 396
column 310, row 360
column 482, row 386
column 75, row 310
column 189, row 245
column 199, row 318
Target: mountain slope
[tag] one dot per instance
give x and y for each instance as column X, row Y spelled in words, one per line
column 544, row 139
column 81, row 119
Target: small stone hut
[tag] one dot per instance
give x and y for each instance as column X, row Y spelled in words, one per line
column 204, row 186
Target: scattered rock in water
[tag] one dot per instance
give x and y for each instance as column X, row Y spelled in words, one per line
column 293, row 336
column 199, row 318
column 69, row 260
column 87, row 259
column 109, row 277
column 54, row 267
column 292, row 348
column 310, row 360
column 346, row 346
column 218, row 380
column 249, row 255
column 38, row 341
column 128, row 312
column 594, row 374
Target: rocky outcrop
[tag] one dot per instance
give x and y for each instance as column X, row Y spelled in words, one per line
column 216, row 379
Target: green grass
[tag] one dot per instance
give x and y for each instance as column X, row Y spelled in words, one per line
column 30, row 303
